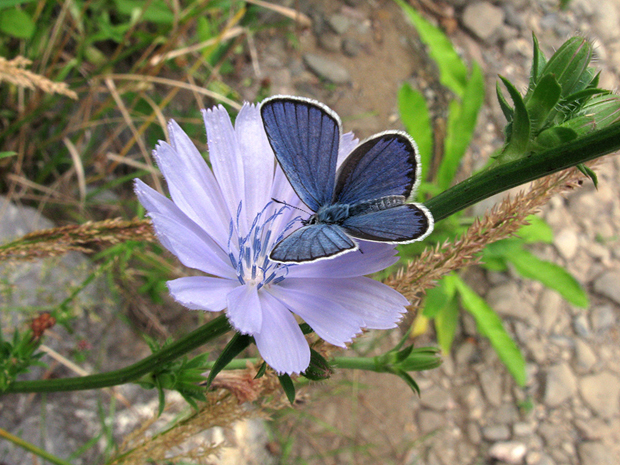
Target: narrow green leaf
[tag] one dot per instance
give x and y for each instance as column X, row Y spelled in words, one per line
column 520, row 127
column 288, row 387
column 551, row 275
column 490, row 326
column 161, row 396
column 235, row 346
column 452, row 70
column 507, row 110
column 542, row 101
column 406, row 377
column 589, row 173
column 556, row 136
column 16, row 23
column 7, row 154
column 538, row 63
column 438, row 297
column 417, row 121
column 4, row 4
column 445, row 325
column 157, row 11
column 537, row 230
column 460, row 127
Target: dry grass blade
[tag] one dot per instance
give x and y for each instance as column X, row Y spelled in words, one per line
column 88, row 237
column 501, row 222
column 13, row 71
column 295, row 15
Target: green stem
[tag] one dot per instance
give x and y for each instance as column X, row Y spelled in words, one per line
column 195, row 339
column 32, row 448
column 508, row 175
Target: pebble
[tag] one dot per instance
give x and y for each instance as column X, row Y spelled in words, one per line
column 491, row 386
column 603, row 318
column 585, row 358
column 496, row 432
column 339, row 23
column 595, row 453
column 351, row 47
column 483, row 19
column 566, row 241
column 581, row 325
column 330, row 42
column 504, row 300
column 430, row 421
column 560, row 385
column 435, row 398
column 509, row 451
column 326, row 69
column 600, row 392
column 550, row 305
column 608, row 284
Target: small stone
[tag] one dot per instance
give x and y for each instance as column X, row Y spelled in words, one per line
column 581, row 325
column 592, row 430
column 509, row 451
column 585, row 357
column 608, row 284
column 496, row 432
column 595, row 453
column 560, row 385
column 483, row 19
column 550, row 306
column 491, row 384
column 538, row 458
column 505, row 300
column 601, row 392
column 473, row 433
column 522, row 428
column 326, row 69
column 566, row 242
column 339, row 23
column 330, row 42
column 506, row 414
column 435, row 398
column 472, row 397
column 351, row 47
column 430, row 421
column 603, row 318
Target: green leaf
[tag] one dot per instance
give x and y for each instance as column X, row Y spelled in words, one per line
column 490, row 326
column 4, row 4
column 406, row 377
column 460, row 127
column 237, row 344
column 319, row 368
column 507, row 110
column 157, row 11
column 520, row 127
column 551, row 275
column 438, row 297
column 452, row 70
column 445, row 325
column 538, row 63
column 417, row 121
column 16, row 23
column 542, row 101
column 7, row 154
column 589, row 173
column 537, row 230
column 288, row 387
column 556, row 136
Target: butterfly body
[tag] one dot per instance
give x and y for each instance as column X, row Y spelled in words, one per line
column 364, row 199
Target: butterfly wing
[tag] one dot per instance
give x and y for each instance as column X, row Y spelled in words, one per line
column 311, row 243
column 305, row 136
column 403, row 223
column 385, row 164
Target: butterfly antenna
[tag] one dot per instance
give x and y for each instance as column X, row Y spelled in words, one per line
column 289, row 205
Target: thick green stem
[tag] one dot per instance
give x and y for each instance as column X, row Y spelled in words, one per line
column 195, row 339
column 496, row 179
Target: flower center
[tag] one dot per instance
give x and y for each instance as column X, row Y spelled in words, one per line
column 252, row 259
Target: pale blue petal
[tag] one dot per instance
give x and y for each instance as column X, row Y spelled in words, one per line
column 331, row 321
column 348, row 142
column 226, row 160
column 372, row 257
column 202, row 292
column 378, row 305
column 191, row 183
column 257, row 158
column 181, row 236
column 280, row 341
column 244, row 310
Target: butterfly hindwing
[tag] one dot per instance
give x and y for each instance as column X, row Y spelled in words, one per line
column 403, row 223
column 385, row 164
column 305, row 136
column 311, row 243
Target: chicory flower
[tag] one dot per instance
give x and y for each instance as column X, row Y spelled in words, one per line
column 223, row 222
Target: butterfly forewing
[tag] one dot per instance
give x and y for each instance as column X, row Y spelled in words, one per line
column 403, row 223
column 305, row 136
column 312, row 243
column 383, row 165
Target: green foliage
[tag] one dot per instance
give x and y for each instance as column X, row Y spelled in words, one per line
column 417, row 121
column 183, row 375
column 17, row 356
column 289, row 388
column 16, row 23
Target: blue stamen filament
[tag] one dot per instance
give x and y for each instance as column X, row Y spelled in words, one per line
column 252, row 259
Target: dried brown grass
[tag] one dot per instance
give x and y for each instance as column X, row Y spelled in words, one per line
column 14, row 72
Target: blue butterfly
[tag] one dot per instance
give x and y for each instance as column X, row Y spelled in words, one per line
column 364, row 200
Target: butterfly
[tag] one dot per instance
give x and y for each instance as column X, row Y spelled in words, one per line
column 364, row 199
